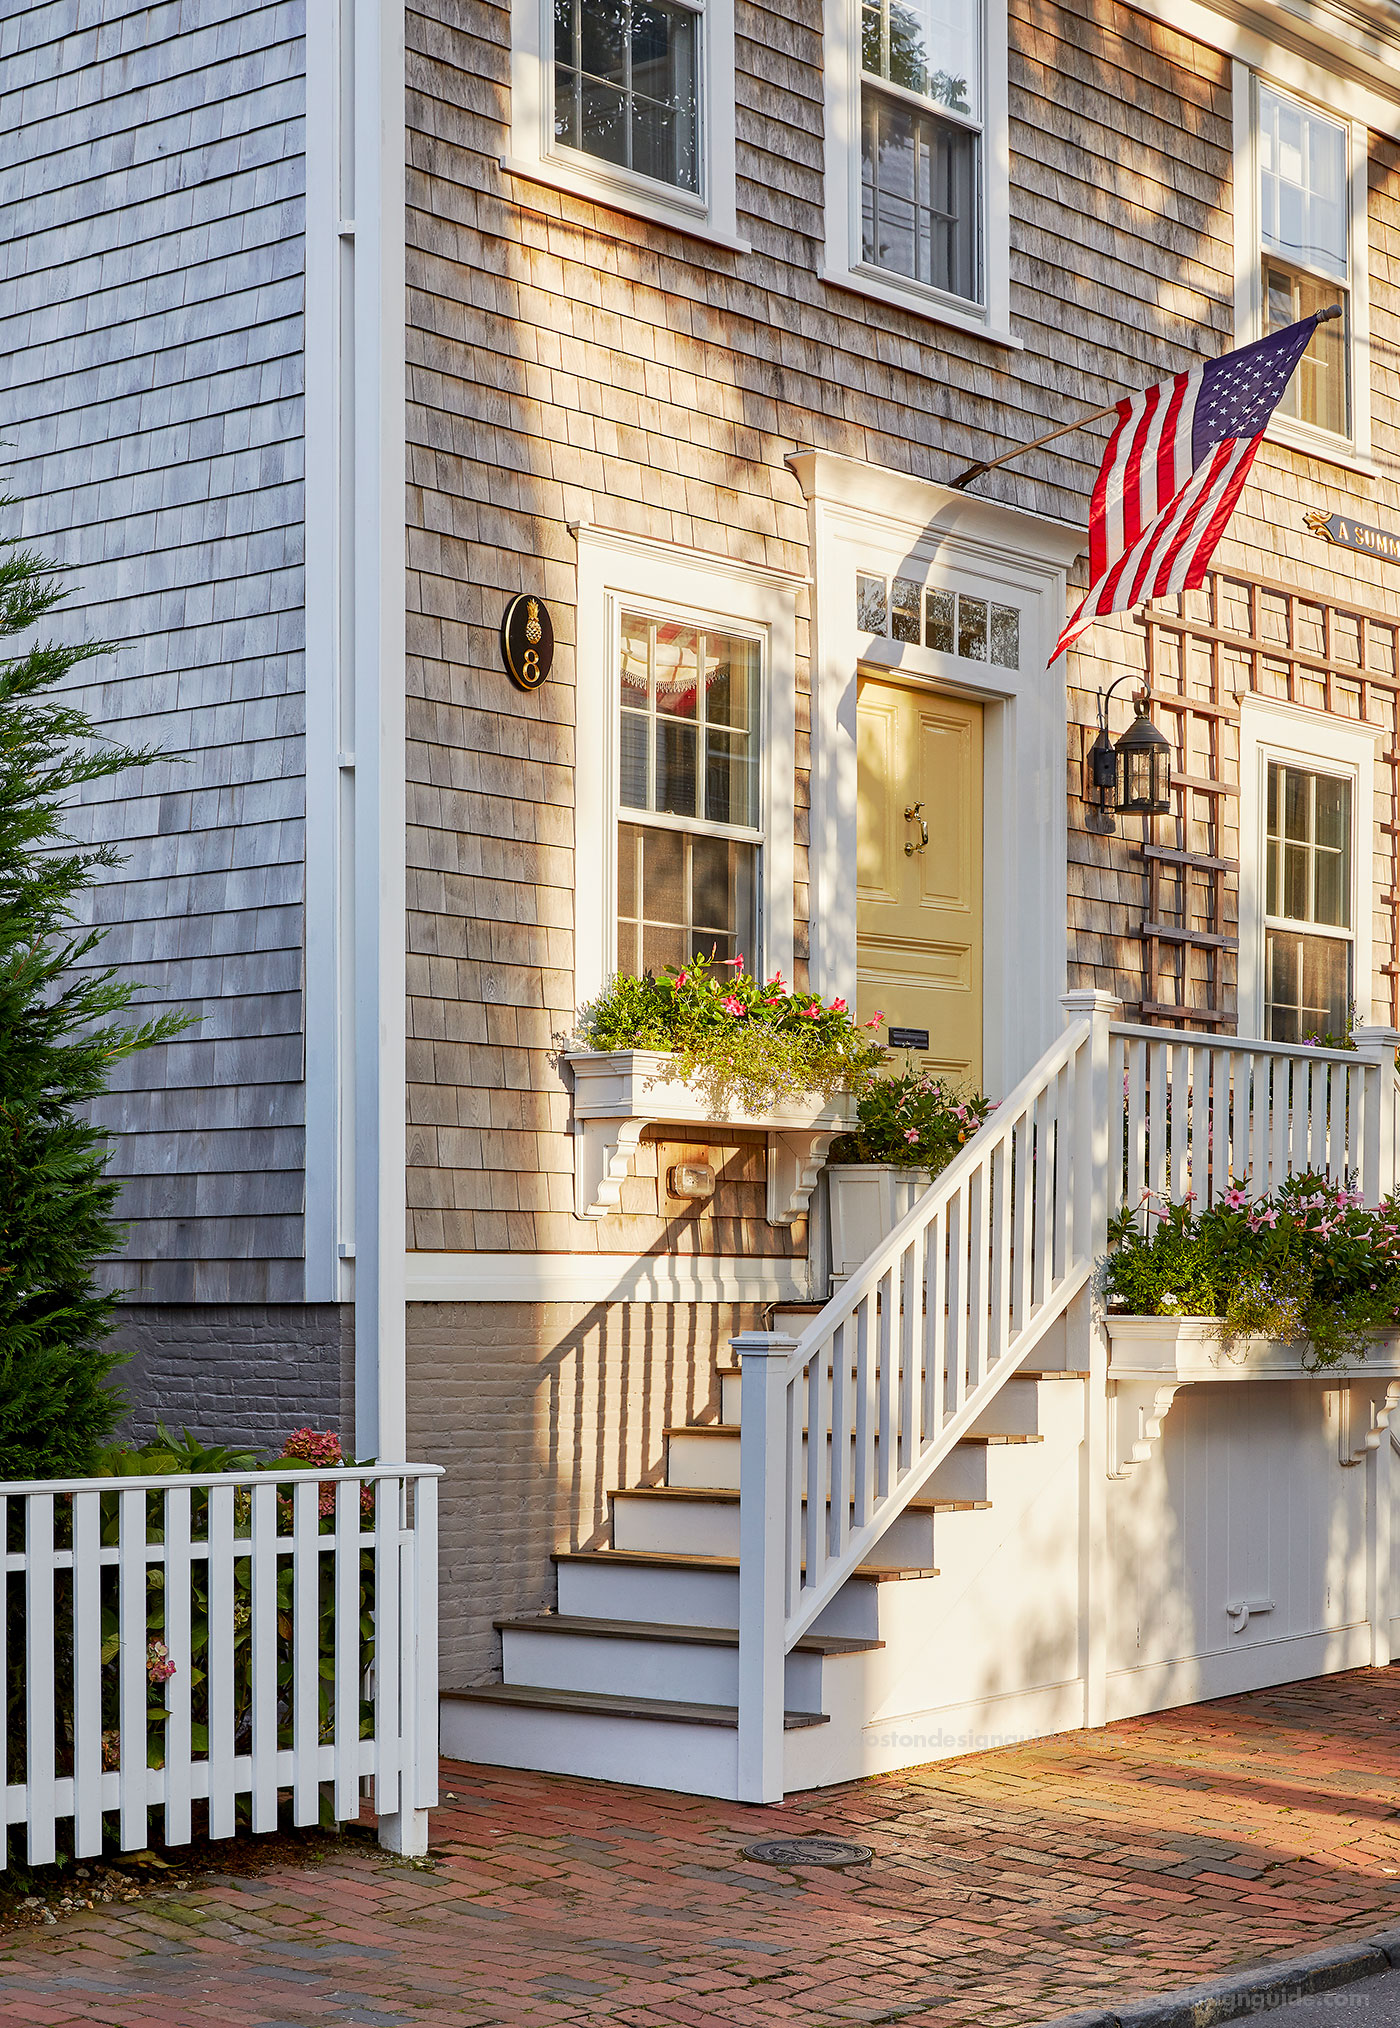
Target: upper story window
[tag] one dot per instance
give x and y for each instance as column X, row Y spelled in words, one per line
column 921, row 141
column 1304, row 233
column 627, row 85
column 1307, row 907
column 917, row 200
column 630, row 103
column 1301, row 246
column 690, row 830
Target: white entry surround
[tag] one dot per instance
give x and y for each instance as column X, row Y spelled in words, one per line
column 865, row 519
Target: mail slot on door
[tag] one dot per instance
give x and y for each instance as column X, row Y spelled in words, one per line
column 907, row 1038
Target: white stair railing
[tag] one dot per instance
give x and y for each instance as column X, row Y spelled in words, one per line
column 1202, row 1113
column 905, row 1358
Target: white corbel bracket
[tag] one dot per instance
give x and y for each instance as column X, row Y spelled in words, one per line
column 619, row 1094
column 1137, row 1409
column 1364, row 1417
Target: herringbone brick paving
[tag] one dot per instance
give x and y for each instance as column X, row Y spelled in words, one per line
column 1007, row 1887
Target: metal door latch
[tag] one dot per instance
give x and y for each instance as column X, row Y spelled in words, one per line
column 912, row 816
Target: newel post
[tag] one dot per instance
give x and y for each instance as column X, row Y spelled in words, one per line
column 764, row 1502
column 1376, row 1047
column 1096, row 1147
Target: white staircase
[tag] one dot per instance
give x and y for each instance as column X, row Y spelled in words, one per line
column 891, row 1545
column 635, row 1677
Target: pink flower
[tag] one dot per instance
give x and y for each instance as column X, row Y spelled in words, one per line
column 681, row 978
column 731, row 1005
column 875, row 1020
column 1234, row 1199
column 811, row 1012
column 772, row 1003
column 838, row 1006
column 911, row 1133
column 159, row 1667
column 738, row 963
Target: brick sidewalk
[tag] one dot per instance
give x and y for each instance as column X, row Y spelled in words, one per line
column 1007, row 1887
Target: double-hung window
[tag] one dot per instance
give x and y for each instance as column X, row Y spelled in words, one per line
column 690, row 820
column 630, row 102
column 1301, row 247
column 1308, row 931
column 917, row 202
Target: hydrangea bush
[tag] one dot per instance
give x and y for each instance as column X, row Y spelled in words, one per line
column 913, row 1120
column 737, row 1039
column 1308, row 1262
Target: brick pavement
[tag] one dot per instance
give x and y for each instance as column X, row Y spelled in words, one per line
column 1007, row 1887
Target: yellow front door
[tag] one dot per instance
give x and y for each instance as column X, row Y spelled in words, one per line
column 919, row 875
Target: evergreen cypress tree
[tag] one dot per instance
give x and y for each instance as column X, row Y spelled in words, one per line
column 60, row 1035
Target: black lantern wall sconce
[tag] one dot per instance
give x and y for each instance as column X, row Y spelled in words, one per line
column 1132, row 774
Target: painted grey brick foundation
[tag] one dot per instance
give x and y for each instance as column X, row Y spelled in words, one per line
column 243, row 1373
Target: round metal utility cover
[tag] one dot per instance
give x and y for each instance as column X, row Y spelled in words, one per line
column 808, row 1852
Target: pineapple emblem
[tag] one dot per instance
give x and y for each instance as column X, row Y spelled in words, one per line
column 532, row 622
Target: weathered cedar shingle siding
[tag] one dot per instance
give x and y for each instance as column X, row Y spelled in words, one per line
column 151, row 181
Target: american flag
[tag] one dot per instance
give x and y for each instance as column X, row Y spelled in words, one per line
column 1172, row 471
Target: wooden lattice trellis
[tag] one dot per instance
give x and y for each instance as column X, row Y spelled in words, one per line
column 1205, row 651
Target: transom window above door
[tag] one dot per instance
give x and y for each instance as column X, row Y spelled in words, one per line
column 690, row 828
column 1308, row 928
column 954, row 623
column 921, row 112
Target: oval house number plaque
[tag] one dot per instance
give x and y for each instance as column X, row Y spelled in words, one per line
column 527, row 641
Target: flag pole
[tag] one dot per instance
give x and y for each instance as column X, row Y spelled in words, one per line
column 1079, row 423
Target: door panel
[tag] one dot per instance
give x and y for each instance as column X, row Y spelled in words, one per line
column 919, row 905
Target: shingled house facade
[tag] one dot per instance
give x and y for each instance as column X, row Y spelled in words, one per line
column 329, row 331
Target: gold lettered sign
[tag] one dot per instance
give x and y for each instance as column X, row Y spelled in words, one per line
column 527, row 641
column 1357, row 535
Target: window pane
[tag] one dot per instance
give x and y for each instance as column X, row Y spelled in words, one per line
column 1302, row 184
column 870, row 604
column 1295, row 883
column 1333, row 812
column 731, row 681
column 1297, row 797
column 1006, row 637
column 625, row 85
column 629, row 845
column 1317, row 392
column 932, row 47
column 731, row 779
column 919, row 196
column 634, row 762
column 636, row 649
column 940, row 622
column 1307, row 986
column 904, row 609
column 675, row 769
column 972, row 629
column 662, row 946
column 677, row 670
column 663, row 876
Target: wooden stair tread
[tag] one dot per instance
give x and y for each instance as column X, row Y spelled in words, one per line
column 731, row 1429
column 647, row 1630
column 684, row 1559
column 717, row 1496
column 604, row 1704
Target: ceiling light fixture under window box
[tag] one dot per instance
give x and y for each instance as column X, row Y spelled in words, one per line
column 619, row 1093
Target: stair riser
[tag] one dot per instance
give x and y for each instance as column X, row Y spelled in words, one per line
column 592, row 1588
column 1014, row 1412
column 711, row 1528
column 714, row 1461
column 670, row 1670
column 697, row 1760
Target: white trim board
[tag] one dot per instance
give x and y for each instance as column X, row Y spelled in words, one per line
column 603, row 1278
column 864, row 518
column 616, row 570
column 1305, row 739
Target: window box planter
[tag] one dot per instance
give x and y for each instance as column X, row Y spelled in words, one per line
column 619, row 1093
column 1151, row 1358
column 868, row 1199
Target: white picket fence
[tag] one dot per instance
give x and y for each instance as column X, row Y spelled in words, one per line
column 841, row 1428
column 261, row 1618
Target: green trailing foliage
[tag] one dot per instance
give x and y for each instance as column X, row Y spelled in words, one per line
column 62, row 1031
column 916, row 1121
column 1310, row 1262
column 739, row 1040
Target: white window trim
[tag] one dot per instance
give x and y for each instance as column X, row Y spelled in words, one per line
column 842, row 265
column 1352, row 451
column 616, row 570
column 711, row 215
column 1270, row 731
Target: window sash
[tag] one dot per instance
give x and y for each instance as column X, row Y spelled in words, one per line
column 570, row 64
column 947, row 162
